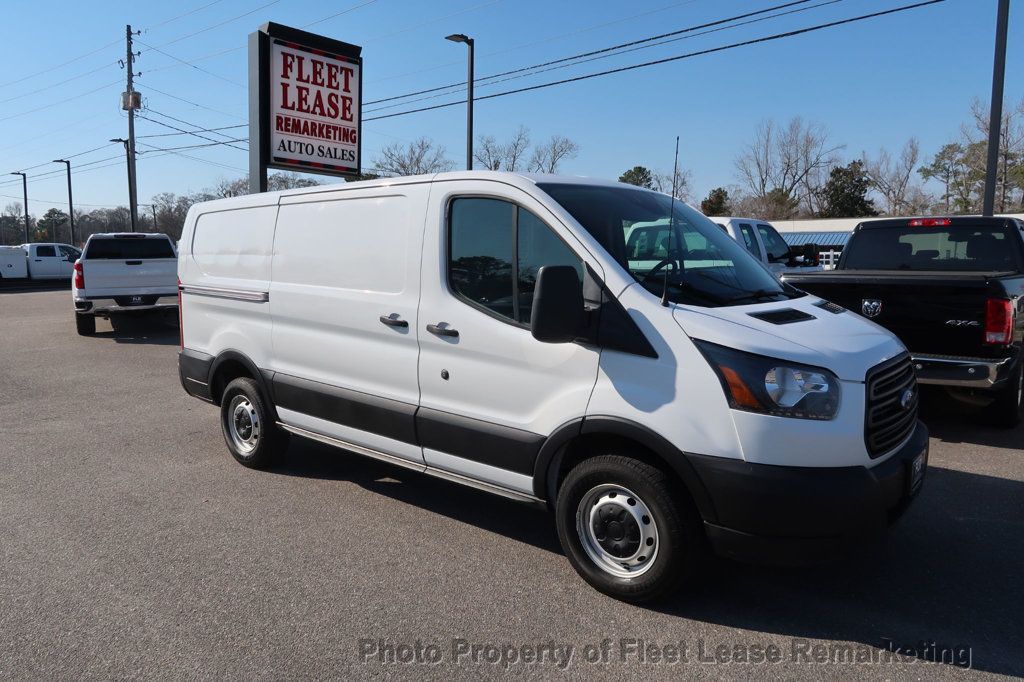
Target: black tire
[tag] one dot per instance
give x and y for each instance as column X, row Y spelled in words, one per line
column 85, row 324
column 270, row 440
column 680, row 544
column 1005, row 410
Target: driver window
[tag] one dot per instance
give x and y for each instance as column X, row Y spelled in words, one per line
column 774, row 244
column 749, row 240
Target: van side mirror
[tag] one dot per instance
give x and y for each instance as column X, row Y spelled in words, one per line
column 557, row 315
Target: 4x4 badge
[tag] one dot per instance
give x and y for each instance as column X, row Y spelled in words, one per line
column 871, row 307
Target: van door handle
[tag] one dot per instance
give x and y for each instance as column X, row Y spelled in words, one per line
column 442, row 331
column 393, row 320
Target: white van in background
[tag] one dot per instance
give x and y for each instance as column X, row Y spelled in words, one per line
column 764, row 243
column 500, row 331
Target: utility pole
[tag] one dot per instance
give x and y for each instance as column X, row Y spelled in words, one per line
column 153, row 206
column 131, row 102
column 995, row 121
column 24, row 189
column 71, row 206
column 462, row 38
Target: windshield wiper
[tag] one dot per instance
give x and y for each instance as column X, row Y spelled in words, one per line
column 759, row 295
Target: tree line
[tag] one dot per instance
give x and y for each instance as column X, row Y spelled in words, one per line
column 797, row 171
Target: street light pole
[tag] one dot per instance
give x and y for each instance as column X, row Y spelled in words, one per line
column 24, row 190
column 131, row 188
column 995, row 121
column 462, row 38
column 71, row 205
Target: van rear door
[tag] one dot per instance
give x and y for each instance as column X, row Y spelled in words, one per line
column 137, row 264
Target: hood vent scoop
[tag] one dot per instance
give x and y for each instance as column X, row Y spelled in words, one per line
column 831, row 307
column 783, row 316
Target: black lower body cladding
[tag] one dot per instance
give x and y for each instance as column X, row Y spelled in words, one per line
column 194, row 371
column 781, row 514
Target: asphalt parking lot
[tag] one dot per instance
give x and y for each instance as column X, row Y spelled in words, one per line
column 132, row 545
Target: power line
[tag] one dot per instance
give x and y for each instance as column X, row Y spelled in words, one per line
column 541, row 41
column 165, row 152
column 190, row 64
column 182, row 131
column 338, row 14
column 62, row 64
column 200, row 146
column 36, row 109
column 188, row 132
column 433, row 21
column 196, row 104
column 53, row 85
column 689, row 29
column 777, row 36
column 604, row 54
column 189, row 123
column 183, row 15
column 218, row 25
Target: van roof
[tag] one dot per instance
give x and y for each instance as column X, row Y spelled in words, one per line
column 516, row 179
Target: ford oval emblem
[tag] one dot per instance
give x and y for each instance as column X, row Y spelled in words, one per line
column 907, row 398
column 871, row 307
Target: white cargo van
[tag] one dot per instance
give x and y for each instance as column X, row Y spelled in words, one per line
column 501, row 331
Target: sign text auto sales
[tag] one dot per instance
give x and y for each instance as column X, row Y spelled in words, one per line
column 314, row 109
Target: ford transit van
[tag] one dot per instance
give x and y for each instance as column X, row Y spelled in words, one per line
column 654, row 385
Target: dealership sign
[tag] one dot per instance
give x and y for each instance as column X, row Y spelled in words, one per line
column 304, row 104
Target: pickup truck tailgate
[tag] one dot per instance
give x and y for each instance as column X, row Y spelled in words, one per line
column 933, row 313
column 129, row 265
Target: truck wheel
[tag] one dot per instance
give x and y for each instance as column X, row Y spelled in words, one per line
column 1005, row 410
column 85, row 324
column 625, row 530
column 249, row 430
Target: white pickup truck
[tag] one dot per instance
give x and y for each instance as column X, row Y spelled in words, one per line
column 765, row 243
column 47, row 260
column 121, row 273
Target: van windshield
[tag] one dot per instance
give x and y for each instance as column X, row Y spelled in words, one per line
column 649, row 238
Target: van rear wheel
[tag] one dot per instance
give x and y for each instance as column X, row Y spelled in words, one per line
column 1005, row 410
column 249, row 429
column 625, row 530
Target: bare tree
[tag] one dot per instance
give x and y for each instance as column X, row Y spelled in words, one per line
column 547, row 157
column 415, row 158
column 1009, row 175
column 664, row 183
column 791, row 161
column 488, row 153
column 891, row 177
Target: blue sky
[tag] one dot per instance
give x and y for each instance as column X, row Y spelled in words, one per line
column 874, row 83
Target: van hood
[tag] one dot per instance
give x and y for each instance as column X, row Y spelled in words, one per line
column 843, row 342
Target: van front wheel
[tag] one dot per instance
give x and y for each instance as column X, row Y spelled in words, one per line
column 249, row 430
column 625, row 530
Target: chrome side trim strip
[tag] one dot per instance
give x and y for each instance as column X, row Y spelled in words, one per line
column 231, row 294
column 422, row 468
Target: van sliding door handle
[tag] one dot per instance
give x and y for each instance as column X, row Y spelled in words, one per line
column 442, row 331
column 393, row 320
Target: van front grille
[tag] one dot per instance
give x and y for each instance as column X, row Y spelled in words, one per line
column 891, row 407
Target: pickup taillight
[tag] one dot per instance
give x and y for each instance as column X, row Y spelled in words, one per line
column 998, row 321
column 79, row 275
column 181, row 327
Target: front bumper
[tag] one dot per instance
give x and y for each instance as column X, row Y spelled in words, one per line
column 103, row 306
column 793, row 515
column 944, row 370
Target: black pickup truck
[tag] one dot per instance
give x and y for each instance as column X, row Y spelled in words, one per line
column 952, row 289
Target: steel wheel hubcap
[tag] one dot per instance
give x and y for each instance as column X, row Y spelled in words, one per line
column 617, row 530
column 243, row 424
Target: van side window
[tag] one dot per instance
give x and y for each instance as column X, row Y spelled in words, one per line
column 46, row 252
column 749, row 240
column 537, row 246
column 491, row 239
column 480, row 253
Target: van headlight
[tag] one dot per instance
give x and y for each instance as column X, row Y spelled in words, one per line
column 756, row 383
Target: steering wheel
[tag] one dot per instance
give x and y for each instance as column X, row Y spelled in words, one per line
column 652, row 273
